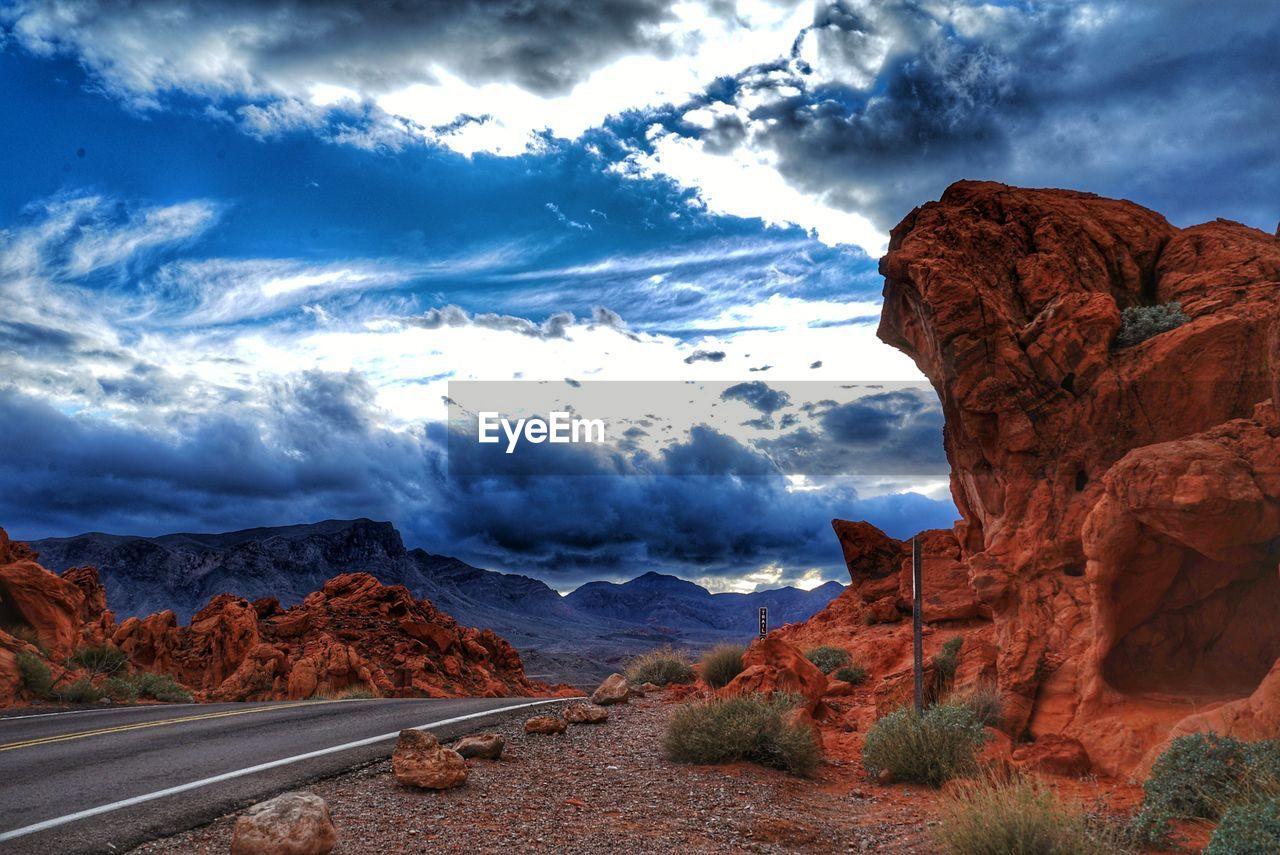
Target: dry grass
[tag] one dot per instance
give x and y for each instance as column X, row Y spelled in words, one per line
column 662, row 667
column 743, row 727
column 1020, row 816
column 721, row 664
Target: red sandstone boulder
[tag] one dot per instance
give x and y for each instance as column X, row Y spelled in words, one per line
column 585, row 714
column 290, row 824
column 614, row 690
column 482, row 746
column 771, row 665
column 419, row 760
column 1053, row 754
column 546, row 725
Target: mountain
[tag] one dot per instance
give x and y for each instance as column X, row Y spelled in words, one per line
column 577, row 638
column 659, row 600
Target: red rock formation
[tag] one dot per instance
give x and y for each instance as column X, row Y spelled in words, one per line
column 772, row 665
column 1121, row 506
column 355, row 633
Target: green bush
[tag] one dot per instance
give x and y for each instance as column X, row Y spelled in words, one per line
column 985, row 701
column 932, row 748
column 743, row 727
column 721, row 664
column 160, row 687
column 82, row 691
column 662, row 667
column 945, row 663
column 1019, row 816
column 100, row 659
column 120, row 689
column 853, row 674
column 1250, row 828
column 1139, row 323
column 1204, row 775
column 827, row 659
column 36, row 677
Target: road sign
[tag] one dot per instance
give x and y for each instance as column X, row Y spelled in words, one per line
column 764, row 621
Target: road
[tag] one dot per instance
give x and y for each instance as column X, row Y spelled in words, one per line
column 143, row 772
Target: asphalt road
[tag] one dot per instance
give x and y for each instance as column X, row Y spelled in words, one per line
column 123, row 759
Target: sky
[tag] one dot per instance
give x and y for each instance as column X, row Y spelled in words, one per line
column 246, row 247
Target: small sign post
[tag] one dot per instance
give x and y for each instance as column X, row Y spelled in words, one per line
column 764, row 622
column 917, row 636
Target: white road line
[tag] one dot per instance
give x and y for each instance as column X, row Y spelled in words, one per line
column 5, row 718
column 261, row 767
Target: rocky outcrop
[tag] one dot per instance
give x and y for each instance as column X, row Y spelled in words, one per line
column 290, row 824
column 1120, row 506
column 354, row 633
column 771, row 666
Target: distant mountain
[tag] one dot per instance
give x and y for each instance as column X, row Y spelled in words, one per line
column 576, row 638
column 658, row 600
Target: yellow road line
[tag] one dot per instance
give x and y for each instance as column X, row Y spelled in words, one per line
column 63, row 737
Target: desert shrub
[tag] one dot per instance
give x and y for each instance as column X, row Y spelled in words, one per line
column 743, row 727
column 357, row 694
column 827, row 659
column 120, row 689
column 985, row 701
column 1248, row 828
column 945, row 664
column 662, row 667
column 1203, row 776
column 721, row 664
column 854, row 674
column 100, row 659
column 1139, row 323
column 82, row 691
column 931, row 748
column 160, row 687
column 1019, row 816
column 35, row 674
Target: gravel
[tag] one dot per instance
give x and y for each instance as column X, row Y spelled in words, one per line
column 603, row 789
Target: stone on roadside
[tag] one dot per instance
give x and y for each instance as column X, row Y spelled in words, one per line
column 546, row 724
column 585, row 714
column 421, row 761
column 614, row 690
column 294, row 823
column 650, row 687
column 483, row 746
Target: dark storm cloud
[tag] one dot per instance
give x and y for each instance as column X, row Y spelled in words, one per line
column 545, row 46
column 758, row 395
column 705, row 356
column 1168, row 103
column 309, row 457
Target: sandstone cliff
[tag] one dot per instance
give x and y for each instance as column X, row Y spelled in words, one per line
column 1117, row 558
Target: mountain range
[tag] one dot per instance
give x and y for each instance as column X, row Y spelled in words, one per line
column 576, row 638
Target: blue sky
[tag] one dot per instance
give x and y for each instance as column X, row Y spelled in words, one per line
column 244, row 247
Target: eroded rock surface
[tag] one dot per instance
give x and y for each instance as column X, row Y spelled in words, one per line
column 1120, row 532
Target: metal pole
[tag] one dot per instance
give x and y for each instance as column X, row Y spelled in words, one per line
column 917, row 636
